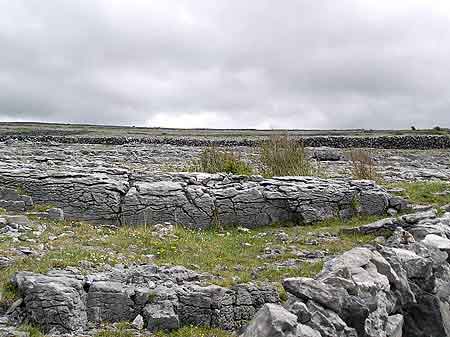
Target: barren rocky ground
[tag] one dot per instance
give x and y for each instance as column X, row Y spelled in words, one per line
column 100, row 239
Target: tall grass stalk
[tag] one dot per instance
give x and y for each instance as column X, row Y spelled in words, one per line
column 284, row 156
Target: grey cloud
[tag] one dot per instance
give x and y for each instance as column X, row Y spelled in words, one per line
column 295, row 63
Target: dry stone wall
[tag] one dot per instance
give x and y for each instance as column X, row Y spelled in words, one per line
column 383, row 142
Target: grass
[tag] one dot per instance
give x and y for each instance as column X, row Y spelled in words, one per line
column 363, row 166
column 284, row 156
column 191, row 331
column 423, row 192
column 31, row 330
column 42, row 207
column 215, row 160
column 121, row 329
column 231, row 256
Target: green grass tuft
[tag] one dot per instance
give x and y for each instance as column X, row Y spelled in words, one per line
column 191, row 331
column 284, row 156
column 42, row 207
column 215, row 160
column 423, row 192
column 31, row 330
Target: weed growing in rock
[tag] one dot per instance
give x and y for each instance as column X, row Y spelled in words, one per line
column 363, row 166
column 215, row 160
column 193, row 331
column 284, row 156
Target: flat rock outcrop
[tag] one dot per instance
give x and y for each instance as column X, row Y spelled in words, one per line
column 165, row 297
column 198, row 200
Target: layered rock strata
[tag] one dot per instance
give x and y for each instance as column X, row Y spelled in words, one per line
column 166, row 299
column 199, row 200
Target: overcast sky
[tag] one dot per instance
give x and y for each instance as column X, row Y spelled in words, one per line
column 228, row 63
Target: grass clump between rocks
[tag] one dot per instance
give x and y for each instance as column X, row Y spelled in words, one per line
column 284, row 156
column 363, row 166
column 215, row 160
column 424, row 192
column 30, row 330
column 195, row 331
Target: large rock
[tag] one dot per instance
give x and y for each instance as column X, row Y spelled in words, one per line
column 167, row 298
column 196, row 199
column 53, row 302
column 161, row 316
column 272, row 321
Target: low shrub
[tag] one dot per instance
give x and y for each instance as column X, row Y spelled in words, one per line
column 363, row 166
column 214, row 160
column 284, row 156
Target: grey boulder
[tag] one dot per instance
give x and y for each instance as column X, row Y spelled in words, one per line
column 272, row 320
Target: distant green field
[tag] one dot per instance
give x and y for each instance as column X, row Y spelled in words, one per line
column 37, row 129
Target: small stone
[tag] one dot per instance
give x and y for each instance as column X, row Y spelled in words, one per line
column 301, row 310
column 406, row 238
column 26, row 251
column 243, row 229
column 446, row 208
column 282, row 236
column 421, row 208
column 55, row 214
column 14, row 306
column 392, row 212
column 138, row 322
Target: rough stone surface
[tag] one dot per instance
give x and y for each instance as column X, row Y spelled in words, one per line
column 401, row 288
column 272, row 321
column 166, row 298
column 196, row 200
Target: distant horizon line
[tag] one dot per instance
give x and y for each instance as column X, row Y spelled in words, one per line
column 203, row 128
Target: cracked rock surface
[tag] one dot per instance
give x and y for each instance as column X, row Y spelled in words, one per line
column 197, row 200
column 166, row 298
column 110, row 184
